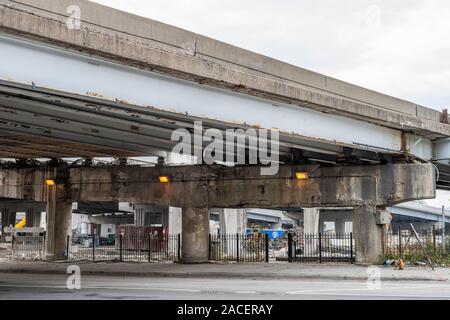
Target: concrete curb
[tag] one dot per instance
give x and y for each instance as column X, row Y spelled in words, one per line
column 227, row 275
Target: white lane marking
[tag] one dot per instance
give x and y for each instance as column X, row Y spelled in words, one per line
column 377, row 295
column 306, row 292
column 97, row 287
column 390, row 287
column 30, row 286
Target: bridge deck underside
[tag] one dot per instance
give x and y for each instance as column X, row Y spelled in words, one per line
column 41, row 123
column 97, row 107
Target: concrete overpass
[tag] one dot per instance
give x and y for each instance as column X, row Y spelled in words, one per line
column 119, row 85
column 422, row 215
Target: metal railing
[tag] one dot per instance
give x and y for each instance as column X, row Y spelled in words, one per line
column 404, row 244
column 239, row 248
column 28, row 247
column 128, row 248
column 321, row 247
column 293, row 247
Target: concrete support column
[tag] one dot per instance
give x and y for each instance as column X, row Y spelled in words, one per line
column 368, row 235
column 339, row 226
column 33, row 218
column 195, row 223
column 233, row 221
column 311, row 218
column 59, row 223
column 139, row 216
column 8, row 218
column 175, row 218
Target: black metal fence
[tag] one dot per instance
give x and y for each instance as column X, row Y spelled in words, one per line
column 321, row 247
column 28, row 248
column 404, row 244
column 239, row 248
column 131, row 248
column 301, row 247
column 293, row 247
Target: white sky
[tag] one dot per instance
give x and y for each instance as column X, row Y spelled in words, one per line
column 400, row 47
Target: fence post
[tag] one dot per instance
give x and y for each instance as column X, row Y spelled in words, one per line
column 290, row 247
column 209, row 246
column 351, row 247
column 149, row 247
column 434, row 239
column 399, row 243
column 179, row 247
column 121, row 247
column 237, row 247
column 93, row 247
column 320, row 247
column 67, row 247
column 43, row 247
column 267, row 247
column 12, row 245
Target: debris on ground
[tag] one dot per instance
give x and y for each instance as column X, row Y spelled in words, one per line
column 389, row 262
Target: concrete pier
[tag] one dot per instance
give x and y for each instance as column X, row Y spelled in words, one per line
column 59, row 223
column 195, row 224
column 368, row 235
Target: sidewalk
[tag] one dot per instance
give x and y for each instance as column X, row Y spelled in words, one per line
column 231, row 270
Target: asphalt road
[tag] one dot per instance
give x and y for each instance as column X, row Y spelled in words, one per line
column 53, row 287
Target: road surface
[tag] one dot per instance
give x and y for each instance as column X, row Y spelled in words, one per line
column 35, row 286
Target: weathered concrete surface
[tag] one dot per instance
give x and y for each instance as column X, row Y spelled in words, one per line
column 148, row 44
column 59, row 222
column 195, row 225
column 311, row 218
column 237, row 187
column 368, row 235
column 175, row 218
column 232, row 221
